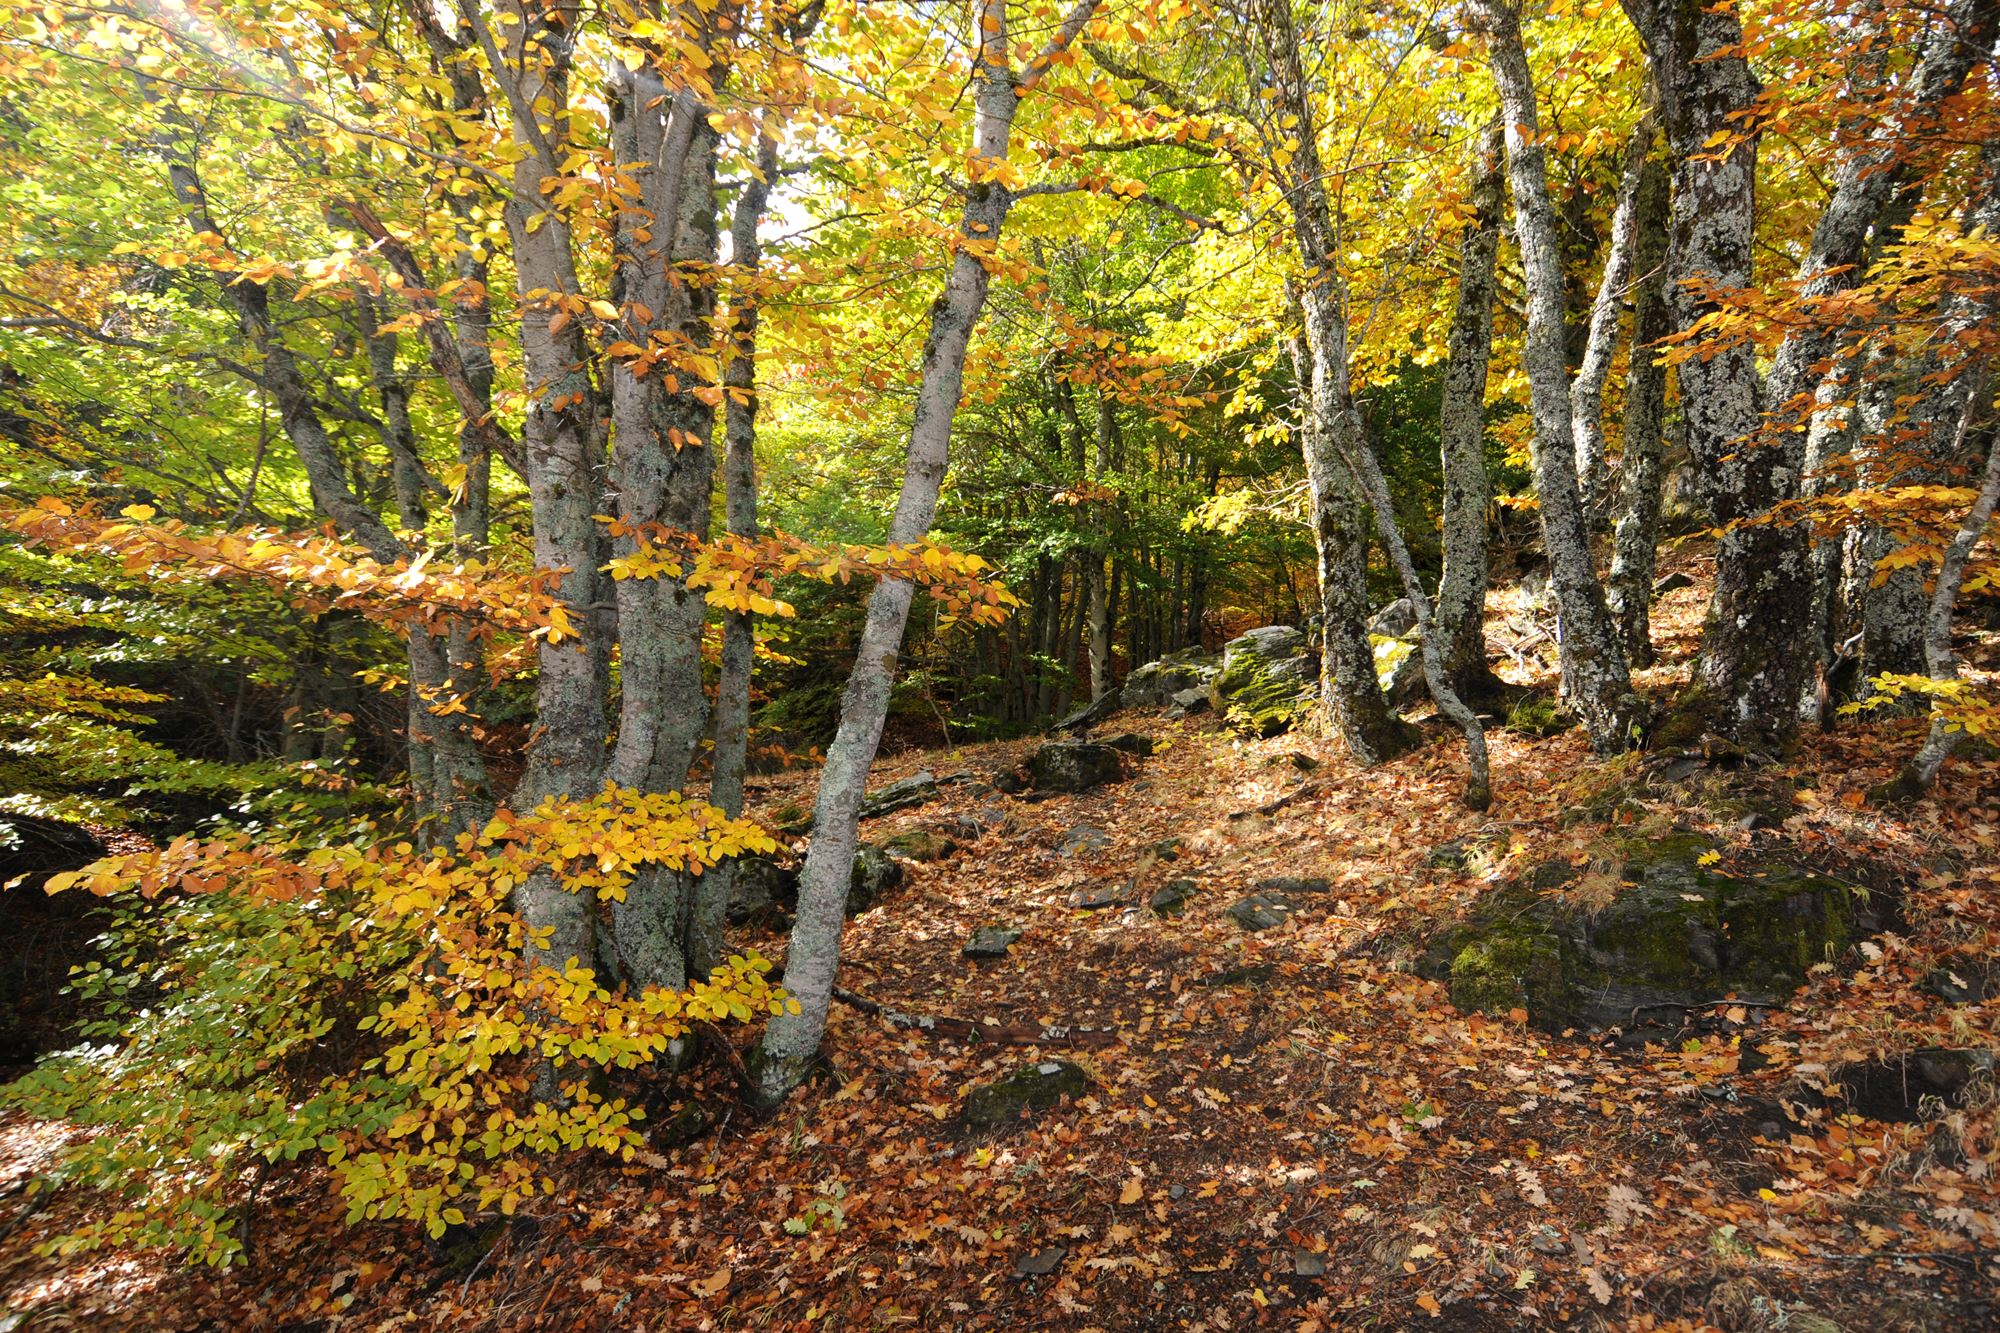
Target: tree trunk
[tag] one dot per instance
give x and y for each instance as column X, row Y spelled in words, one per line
column 662, row 469
column 1331, row 429
column 1460, row 615
column 1600, row 344
column 1595, row 678
column 791, row 1041
column 1642, row 462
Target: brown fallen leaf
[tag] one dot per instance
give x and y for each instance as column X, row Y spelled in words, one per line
column 713, row 1285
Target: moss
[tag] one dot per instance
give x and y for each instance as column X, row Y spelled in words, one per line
column 1260, row 702
column 1038, row 1087
column 1511, row 971
column 1538, row 716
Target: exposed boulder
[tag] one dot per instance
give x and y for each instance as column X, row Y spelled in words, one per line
column 1082, row 719
column 1188, row 702
column 1155, row 684
column 759, row 886
column 1038, row 1087
column 1131, row 742
column 1294, row 884
column 1268, row 682
column 1074, row 766
column 875, row 873
column 1094, row 897
column 914, row 790
column 1677, row 935
column 1261, row 911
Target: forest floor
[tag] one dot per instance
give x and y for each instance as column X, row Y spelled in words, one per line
column 1290, row 1129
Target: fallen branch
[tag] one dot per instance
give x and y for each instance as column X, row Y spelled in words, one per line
column 964, row 1029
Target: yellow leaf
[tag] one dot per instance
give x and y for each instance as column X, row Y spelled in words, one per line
column 1131, row 1192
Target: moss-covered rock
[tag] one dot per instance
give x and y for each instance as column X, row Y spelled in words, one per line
column 1155, row 684
column 1074, row 766
column 1269, row 681
column 1038, row 1087
column 1678, row 933
column 1537, row 715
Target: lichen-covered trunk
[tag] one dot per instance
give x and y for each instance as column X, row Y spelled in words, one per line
column 739, row 480
column 1330, row 427
column 1596, row 681
column 1600, row 343
column 663, row 465
column 1460, row 616
column 1642, row 456
column 791, row 1042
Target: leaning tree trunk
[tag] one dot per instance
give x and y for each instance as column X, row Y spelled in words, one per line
column 1460, row 615
column 791, row 1042
column 662, row 468
column 1642, row 461
column 1595, row 677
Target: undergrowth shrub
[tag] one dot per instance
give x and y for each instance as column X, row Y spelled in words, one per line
column 365, row 1006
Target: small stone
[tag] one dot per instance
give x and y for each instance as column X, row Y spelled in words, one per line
column 1009, row 782
column 1254, row 975
column 1084, row 839
column 1305, row 1263
column 1042, row 1262
column 1547, row 1240
column 1096, row 896
column 875, row 873
column 1171, row 898
column 991, row 941
column 1282, row 884
column 1131, row 742
column 1176, row 1191
column 921, row 845
column 1168, row 849
column 1673, row 582
column 1261, row 911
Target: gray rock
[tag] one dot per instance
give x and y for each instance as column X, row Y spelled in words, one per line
column 1155, row 684
column 991, row 941
column 992, row 819
column 1294, row 884
column 1131, row 742
column 1673, row 582
column 1083, row 840
column 1171, row 898
column 901, row 795
column 1394, row 620
column 875, row 873
column 1042, row 1262
column 1074, row 766
column 1082, row 719
column 1041, row 1086
column 1305, row 1263
column 758, row 887
column 1188, row 702
column 1261, row 911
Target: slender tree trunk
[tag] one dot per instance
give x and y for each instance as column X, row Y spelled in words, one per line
column 1595, row 677
column 1642, row 462
column 1600, row 345
column 1096, row 575
column 1460, row 615
column 792, row 1040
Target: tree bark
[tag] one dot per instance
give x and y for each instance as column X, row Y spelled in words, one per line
column 791, row 1042
column 1330, row 427
column 1460, row 615
column 1600, row 344
column 1595, row 677
column 1642, row 461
